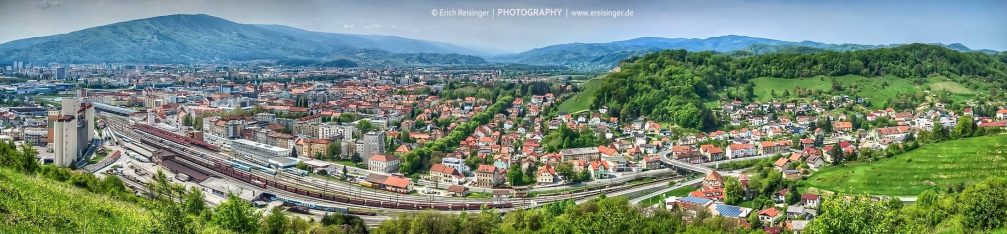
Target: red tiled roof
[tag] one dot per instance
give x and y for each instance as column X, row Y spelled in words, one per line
column 383, row 158
column 599, row 163
column 714, row 175
column 781, row 162
column 486, row 168
column 444, row 169
column 396, row 181
column 741, row 146
column 795, row 157
column 771, row 212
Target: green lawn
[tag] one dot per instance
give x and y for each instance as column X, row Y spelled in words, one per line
column 478, row 195
column 679, row 192
column 582, row 100
column 876, row 89
column 346, row 163
column 941, row 85
column 933, row 166
column 36, row 205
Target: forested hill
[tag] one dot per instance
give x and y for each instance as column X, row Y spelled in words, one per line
column 671, row 85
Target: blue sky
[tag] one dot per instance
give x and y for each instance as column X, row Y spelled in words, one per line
column 978, row 24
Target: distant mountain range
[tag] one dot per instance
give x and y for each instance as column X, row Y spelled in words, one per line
column 604, row 56
column 204, row 38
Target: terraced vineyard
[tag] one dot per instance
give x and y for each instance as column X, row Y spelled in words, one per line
column 934, row 166
column 36, row 205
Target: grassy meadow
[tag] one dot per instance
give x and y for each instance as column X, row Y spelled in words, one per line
column 933, row 166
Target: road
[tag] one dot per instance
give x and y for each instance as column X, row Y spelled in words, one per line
column 703, row 167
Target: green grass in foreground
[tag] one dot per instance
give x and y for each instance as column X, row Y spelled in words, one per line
column 583, row 99
column 31, row 204
column 933, row 166
column 679, row 192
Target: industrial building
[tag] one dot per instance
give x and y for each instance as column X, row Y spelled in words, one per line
column 72, row 131
column 257, row 152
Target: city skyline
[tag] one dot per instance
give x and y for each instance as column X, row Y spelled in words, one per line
column 976, row 25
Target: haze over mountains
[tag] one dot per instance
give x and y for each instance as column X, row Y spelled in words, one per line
column 204, row 38
column 602, row 56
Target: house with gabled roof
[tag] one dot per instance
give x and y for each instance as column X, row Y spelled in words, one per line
column 770, row 216
column 488, row 176
column 547, row 175
column 599, row 169
column 712, row 152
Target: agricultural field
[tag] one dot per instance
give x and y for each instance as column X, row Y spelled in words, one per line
column 37, row 205
column 582, row 100
column 933, row 166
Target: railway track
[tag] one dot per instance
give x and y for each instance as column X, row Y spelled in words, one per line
column 281, row 183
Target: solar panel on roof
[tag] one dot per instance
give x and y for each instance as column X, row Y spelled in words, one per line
column 730, row 211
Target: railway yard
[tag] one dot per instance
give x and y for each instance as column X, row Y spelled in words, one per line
column 200, row 161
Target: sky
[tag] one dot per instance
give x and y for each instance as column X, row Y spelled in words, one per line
column 507, row 27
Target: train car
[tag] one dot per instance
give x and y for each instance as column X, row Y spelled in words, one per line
column 259, row 183
column 267, row 170
column 241, row 167
column 366, row 184
column 296, row 171
column 358, row 212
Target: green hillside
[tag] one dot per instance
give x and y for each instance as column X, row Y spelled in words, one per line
column 30, row 204
column 583, row 99
column 934, row 166
column 675, row 86
column 877, row 90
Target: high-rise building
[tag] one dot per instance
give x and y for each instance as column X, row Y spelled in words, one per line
column 72, row 131
column 61, row 73
column 372, row 143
